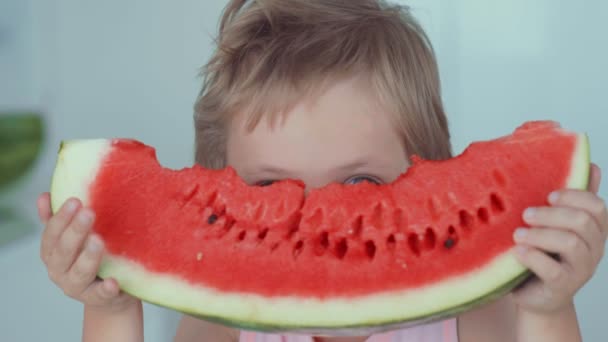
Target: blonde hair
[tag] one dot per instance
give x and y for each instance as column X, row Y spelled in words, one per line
column 271, row 53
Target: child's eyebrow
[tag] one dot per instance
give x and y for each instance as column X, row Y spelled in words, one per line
column 269, row 169
column 355, row 165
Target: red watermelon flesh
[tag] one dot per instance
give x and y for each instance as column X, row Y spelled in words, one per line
column 431, row 244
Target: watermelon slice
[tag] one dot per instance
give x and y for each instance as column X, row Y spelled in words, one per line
column 343, row 259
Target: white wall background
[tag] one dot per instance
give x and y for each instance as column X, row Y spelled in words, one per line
column 128, row 68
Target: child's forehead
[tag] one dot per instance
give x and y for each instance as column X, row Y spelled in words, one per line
column 347, row 99
column 342, row 129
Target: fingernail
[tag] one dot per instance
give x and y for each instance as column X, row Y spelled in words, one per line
column 553, row 197
column 520, row 233
column 85, row 217
column 71, row 205
column 529, row 213
column 108, row 287
column 94, row 244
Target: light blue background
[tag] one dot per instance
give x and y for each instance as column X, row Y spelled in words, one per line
column 128, row 68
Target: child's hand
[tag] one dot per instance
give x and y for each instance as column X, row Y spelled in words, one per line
column 575, row 228
column 72, row 256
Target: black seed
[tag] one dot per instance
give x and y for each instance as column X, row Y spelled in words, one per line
column 212, row 219
column 449, row 243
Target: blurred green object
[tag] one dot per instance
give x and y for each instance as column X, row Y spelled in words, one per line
column 21, row 140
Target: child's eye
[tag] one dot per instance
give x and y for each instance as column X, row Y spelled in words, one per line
column 359, row 179
column 265, row 182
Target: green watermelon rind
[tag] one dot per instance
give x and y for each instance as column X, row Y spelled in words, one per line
column 180, row 296
column 374, row 327
column 129, row 285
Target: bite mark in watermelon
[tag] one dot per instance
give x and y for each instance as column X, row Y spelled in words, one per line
column 343, row 259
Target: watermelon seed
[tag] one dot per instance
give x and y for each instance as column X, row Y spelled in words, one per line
column 220, row 209
column 390, row 242
column 242, row 235
column 262, row 234
column 292, row 232
column 341, row 248
column 294, row 224
column 274, row 246
column 466, row 220
column 429, row 238
column 449, row 243
column 298, row 248
column 199, row 256
column 212, row 218
column 323, row 243
column 370, row 249
column 499, row 177
column 451, row 230
column 325, row 240
column 414, row 243
column 497, row 203
column 482, row 214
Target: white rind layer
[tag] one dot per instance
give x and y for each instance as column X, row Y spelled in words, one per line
column 301, row 312
column 581, row 164
column 78, row 164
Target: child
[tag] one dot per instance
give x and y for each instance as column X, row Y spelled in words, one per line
column 336, row 91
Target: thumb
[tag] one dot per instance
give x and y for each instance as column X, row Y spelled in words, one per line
column 595, row 176
column 44, row 207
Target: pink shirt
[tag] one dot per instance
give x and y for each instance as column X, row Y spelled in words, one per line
column 444, row 331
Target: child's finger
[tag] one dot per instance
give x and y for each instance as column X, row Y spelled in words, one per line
column 110, row 288
column 44, row 207
column 55, row 227
column 588, row 234
column 70, row 242
column 84, row 270
column 595, row 177
column 102, row 291
column 546, row 268
column 95, row 294
column 569, row 246
column 567, row 218
column 583, row 200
